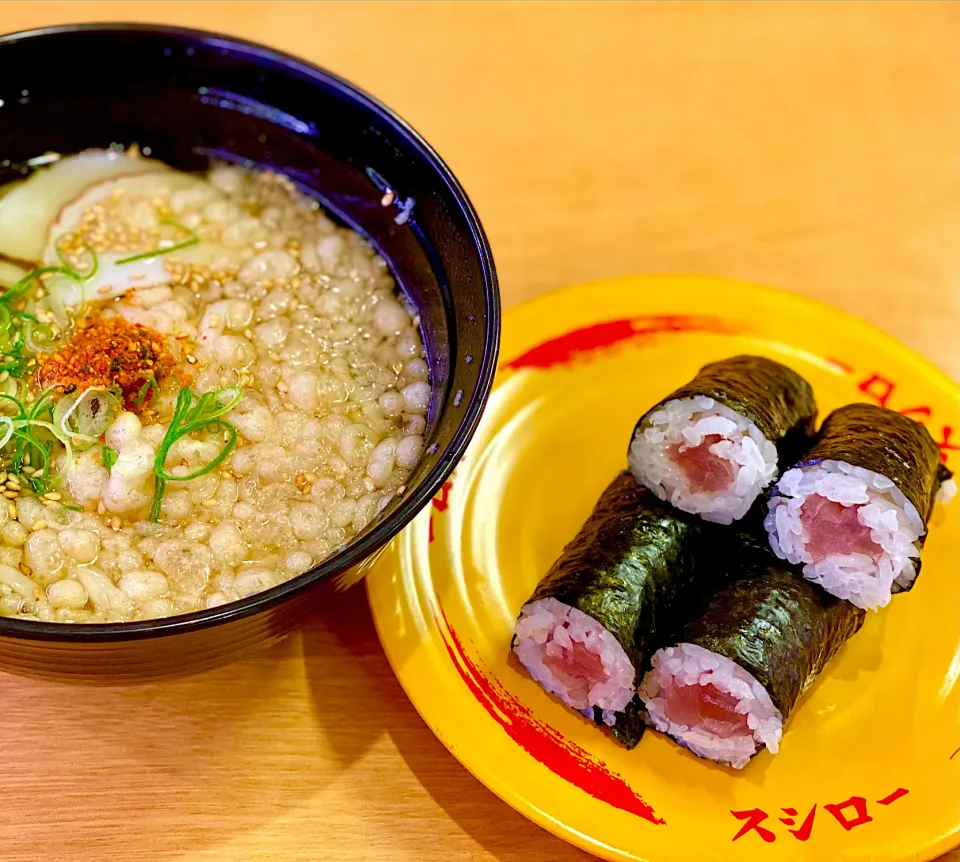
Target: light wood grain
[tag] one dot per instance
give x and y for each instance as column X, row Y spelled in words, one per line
column 808, row 146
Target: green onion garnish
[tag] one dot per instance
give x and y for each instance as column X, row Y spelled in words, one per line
column 146, row 391
column 187, row 419
column 23, row 287
column 43, row 403
column 147, row 254
column 83, row 418
column 21, row 411
column 24, row 429
column 109, row 456
column 87, row 274
column 192, row 239
column 37, row 336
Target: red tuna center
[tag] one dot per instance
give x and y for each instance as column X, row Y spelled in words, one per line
column 834, row 529
column 579, row 670
column 706, row 708
column 702, row 469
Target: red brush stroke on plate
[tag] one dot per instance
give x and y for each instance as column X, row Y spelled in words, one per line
column 562, row 757
column 600, row 336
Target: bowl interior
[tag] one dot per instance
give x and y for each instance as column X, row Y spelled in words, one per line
column 187, row 98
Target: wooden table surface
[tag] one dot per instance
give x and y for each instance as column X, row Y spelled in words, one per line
column 809, row 146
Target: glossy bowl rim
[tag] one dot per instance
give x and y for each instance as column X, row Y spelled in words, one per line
column 368, row 544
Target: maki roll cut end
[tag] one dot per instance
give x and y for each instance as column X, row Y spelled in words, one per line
column 854, row 532
column 704, row 457
column 713, row 446
column 853, row 512
column 725, row 688
column 575, row 658
column 710, row 704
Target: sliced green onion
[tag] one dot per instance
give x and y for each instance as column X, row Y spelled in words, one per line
column 94, row 409
column 23, row 287
column 27, row 437
column 146, row 390
column 22, row 429
column 148, row 254
column 189, row 420
column 21, row 410
column 20, row 330
column 216, row 461
column 7, row 424
column 109, row 456
column 43, row 403
column 13, row 354
column 56, row 433
column 88, row 273
column 192, row 239
column 212, row 405
column 38, row 336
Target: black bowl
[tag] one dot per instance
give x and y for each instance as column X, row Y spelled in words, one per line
column 187, row 97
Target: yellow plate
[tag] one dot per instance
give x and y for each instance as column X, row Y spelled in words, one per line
column 869, row 766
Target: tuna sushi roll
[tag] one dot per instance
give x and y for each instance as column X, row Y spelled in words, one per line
column 727, row 685
column 714, row 445
column 854, row 510
column 619, row 591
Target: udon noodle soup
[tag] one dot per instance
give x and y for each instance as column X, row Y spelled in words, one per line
column 206, row 388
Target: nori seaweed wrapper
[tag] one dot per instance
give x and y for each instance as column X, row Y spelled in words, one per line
column 776, row 625
column 633, row 567
column 884, row 442
column 775, row 398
